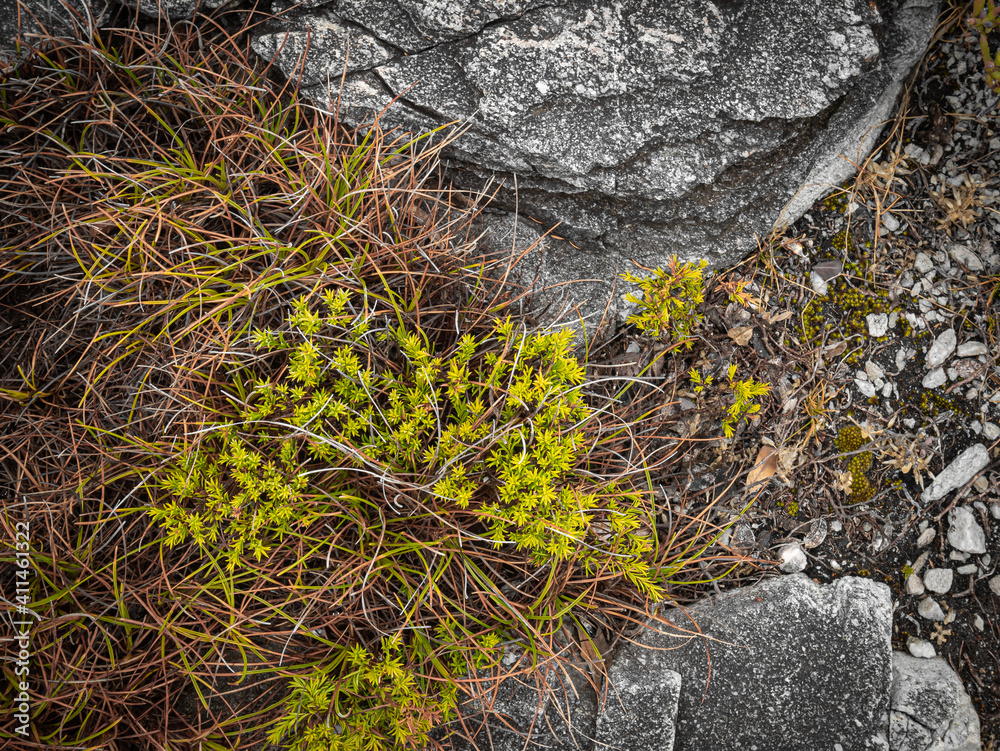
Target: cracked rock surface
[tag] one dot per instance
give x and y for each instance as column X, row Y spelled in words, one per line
column 643, row 129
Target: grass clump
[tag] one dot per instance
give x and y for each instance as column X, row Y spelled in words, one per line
column 267, row 334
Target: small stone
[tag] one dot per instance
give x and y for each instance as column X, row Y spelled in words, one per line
column 967, row 569
column 834, row 565
column 914, row 586
column 873, row 370
column 878, row 324
column 921, row 648
column 939, row 580
column 934, row 379
column 926, row 537
column 995, row 585
column 921, row 560
column 965, row 466
column 902, row 356
column 941, row 350
column 986, row 560
column 964, row 532
column 966, row 368
column 958, row 555
column 952, row 374
column 923, row 263
column 994, row 508
column 890, row 222
column 991, row 431
column 866, row 387
column 887, row 390
column 633, row 348
column 930, row 610
column 979, row 623
column 836, row 526
column 965, row 257
column 819, row 285
column 971, row 349
column 793, row 558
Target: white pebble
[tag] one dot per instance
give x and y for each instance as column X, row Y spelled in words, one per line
column 930, row 610
column 995, row 585
column 926, row 537
column 971, row 349
column 991, row 431
column 921, row 648
column 960, row 471
column 914, row 586
column 793, row 558
column 939, row 580
column 878, row 324
column 967, row 569
column 934, row 379
column 873, row 370
column 923, row 263
column 941, row 350
column 964, row 532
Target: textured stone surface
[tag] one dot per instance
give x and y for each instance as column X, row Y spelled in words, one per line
column 930, row 709
column 555, row 708
column 18, row 25
column 794, row 665
column 641, row 707
column 964, row 532
column 643, row 128
column 963, row 468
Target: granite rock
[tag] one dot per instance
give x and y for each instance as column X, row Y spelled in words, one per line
column 930, row 709
column 964, row 532
column 643, row 129
column 781, row 647
column 960, row 471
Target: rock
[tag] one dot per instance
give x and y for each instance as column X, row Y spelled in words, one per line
column 789, row 639
column 939, row 580
column 995, row 585
column 929, row 609
column 173, row 9
column 969, row 568
column 995, row 510
column 991, row 431
column 979, row 623
column 923, row 264
column 965, row 257
column 641, row 706
column 971, row 349
column 555, row 707
column 964, row 532
column 866, row 387
column 820, row 287
column 21, row 20
column 793, row 558
column 930, row 708
column 921, row 648
column 873, row 371
column 878, row 324
column 960, row 471
column 643, row 129
column 890, row 222
column 941, row 350
column 914, row 585
column 934, row 379
column 926, row 537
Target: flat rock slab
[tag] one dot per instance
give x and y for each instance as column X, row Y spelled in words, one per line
column 930, row 709
column 640, row 711
column 794, row 665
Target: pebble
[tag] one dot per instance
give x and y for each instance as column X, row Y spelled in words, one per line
column 923, row 263
column 890, row 222
column 964, row 532
column 986, row 560
column 914, row 586
column 958, row 555
column 926, row 537
column 979, row 623
column 866, row 387
column 793, row 558
column 930, row 610
column 968, row 568
column 995, row 585
column 962, row 255
column 994, row 509
column 965, row 466
column 921, row 648
column 878, row 324
column 902, row 356
column 991, row 431
column 819, row 285
column 836, row 526
column 941, row 350
column 873, row 370
column 981, row 484
column 934, row 379
column 971, row 349
column 939, row 580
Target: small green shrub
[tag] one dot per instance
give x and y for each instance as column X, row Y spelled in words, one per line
column 669, row 300
column 745, row 394
column 982, row 22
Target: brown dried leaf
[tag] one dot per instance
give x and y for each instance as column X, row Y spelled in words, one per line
column 741, row 334
column 779, row 317
column 766, row 465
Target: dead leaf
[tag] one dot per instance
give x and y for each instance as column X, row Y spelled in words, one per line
column 844, row 480
column 778, row 317
column 741, row 334
column 766, row 465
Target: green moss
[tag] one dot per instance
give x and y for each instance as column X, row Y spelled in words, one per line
column 849, row 439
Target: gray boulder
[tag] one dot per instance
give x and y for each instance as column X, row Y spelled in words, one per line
column 21, row 21
column 930, row 709
column 554, row 707
column 785, row 664
column 643, row 129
